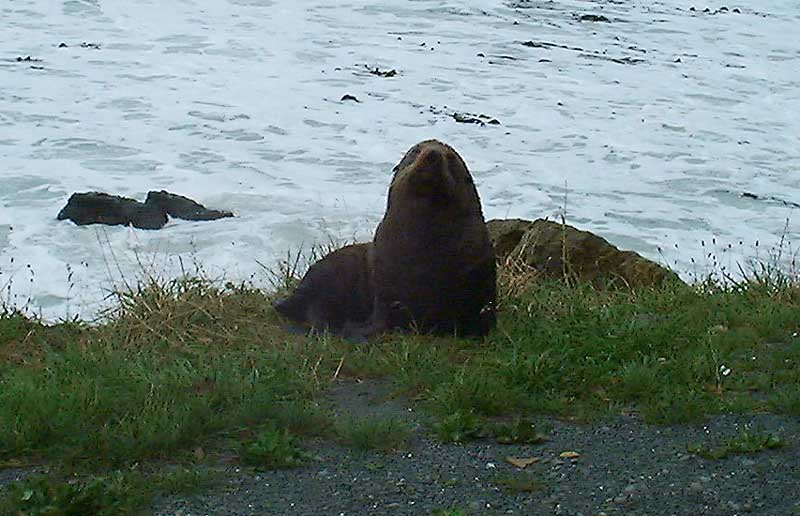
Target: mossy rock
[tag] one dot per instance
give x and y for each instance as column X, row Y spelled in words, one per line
column 557, row 250
column 505, row 235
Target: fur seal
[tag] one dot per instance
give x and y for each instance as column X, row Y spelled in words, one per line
column 432, row 263
column 430, row 267
column 335, row 294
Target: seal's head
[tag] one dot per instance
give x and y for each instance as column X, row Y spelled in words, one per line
column 434, row 171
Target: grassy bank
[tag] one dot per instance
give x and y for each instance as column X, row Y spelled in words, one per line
column 189, row 372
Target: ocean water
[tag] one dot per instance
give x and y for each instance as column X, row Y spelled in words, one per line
column 646, row 126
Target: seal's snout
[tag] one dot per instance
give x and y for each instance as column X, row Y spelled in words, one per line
column 432, row 159
column 430, row 175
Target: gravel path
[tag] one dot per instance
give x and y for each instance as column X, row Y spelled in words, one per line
column 624, row 467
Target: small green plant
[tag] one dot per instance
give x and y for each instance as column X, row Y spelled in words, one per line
column 375, row 434
column 183, row 480
column 745, row 442
column 787, row 400
column 273, row 449
column 13, row 325
column 638, row 380
column 45, row 495
column 113, row 494
column 675, row 406
column 519, row 431
column 459, row 427
column 452, row 511
column 519, row 483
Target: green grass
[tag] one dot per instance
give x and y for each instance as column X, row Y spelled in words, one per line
column 273, row 449
column 580, row 354
column 518, row 431
column 671, row 354
column 520, row 482
column 190, row 364
column 453, row 511
column 458, row 427
column 365, row 434
column 746, row 442
column 112, row 494
column 121, row 405
column 147, row 385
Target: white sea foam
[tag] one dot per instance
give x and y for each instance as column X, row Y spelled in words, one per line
column 236, row 104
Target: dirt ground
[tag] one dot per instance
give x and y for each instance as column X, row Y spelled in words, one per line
column 624, row 467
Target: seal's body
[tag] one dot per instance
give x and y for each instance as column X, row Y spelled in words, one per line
column 335, row 294
column 432, row 263
column 430, row 267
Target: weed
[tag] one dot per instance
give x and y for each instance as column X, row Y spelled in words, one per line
column 787, row 401
column 519, row 431
column 375, row 434
column 113, row 493
column 273, row 449
column 746, row 442
column 46, row 495
column 523, row 482
column 458, row 427
column 452, row 511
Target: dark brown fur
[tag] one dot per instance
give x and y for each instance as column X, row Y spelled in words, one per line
column 432, row 263
column 335, row 294
column 430, row 267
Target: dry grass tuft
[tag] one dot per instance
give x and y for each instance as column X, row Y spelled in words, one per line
column 514, row 279
column 189, row 311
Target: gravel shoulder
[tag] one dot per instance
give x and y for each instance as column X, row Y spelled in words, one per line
column 624, row 467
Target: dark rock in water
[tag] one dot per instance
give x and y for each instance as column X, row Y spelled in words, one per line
column 591, row 54
column 102, row 208
column 594, row 18
column 464, row 117
column 469, row 118
column 182, row 207
column 381, row 73
column 749, row 195
column 557, row 250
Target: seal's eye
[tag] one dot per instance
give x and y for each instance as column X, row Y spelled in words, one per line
column 409, row 158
